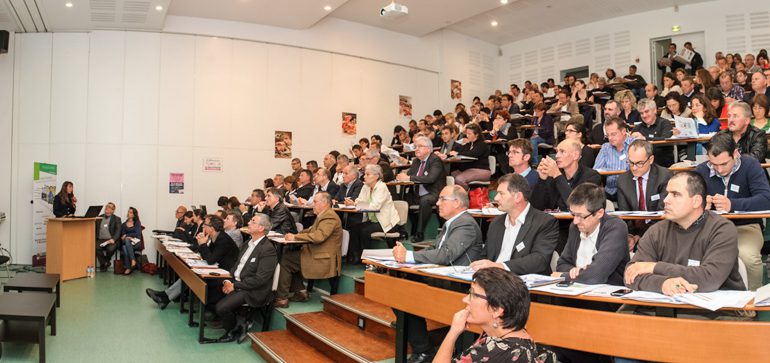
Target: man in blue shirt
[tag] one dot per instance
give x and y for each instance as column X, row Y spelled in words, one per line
column 614, row 154
column 519, row 157
column 736, row 182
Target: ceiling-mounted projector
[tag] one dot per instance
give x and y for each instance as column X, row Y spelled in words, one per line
column 393, row 10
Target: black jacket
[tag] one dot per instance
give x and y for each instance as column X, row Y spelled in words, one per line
column 62, row 209
column 352, row 192
column 257, row 273
column 552, row 193
column 537, row 237
column 222, row 251
column 753, row 143
column 609, row 262
column 282, row 220
column 661, row 129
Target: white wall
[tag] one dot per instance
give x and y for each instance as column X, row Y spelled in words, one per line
column 6, row 112
column 118, row 111
column 618, row 42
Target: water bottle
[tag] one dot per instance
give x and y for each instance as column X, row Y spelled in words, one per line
column 90, row 271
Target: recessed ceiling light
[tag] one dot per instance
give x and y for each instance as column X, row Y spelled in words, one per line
column 68, row 4
column 327, row 8
column 503, row 2
column 159, row 8
column 493, row 23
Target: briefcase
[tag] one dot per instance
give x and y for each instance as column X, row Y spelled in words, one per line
column 118, row 268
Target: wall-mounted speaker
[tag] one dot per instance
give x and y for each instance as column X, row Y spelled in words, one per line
column 4, row 36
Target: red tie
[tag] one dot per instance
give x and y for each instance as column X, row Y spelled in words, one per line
column 421, row 169
column 642, row 204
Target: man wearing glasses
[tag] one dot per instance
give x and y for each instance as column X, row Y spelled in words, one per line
column 736, row 182
column 614, row 153
column 641, row 188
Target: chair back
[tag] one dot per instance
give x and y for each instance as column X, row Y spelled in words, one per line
column 492, row 164
column 345, row 242
column 744, row 273
column 276, row 274
column 554, row 260
column 402, row 208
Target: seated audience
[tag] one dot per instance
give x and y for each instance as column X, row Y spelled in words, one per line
column 750, row 140
column 498, row 302
column 670, row 84
column 543, row 131
column 614, row 154
column 574, row 130
column 521, row 240
column 519, row 158
column 736, row 182
column 131, row 239
column 374, row 196
column 283, row 221
column 559, row 177
column 651, row 92
column 475, row 147
column 675, row 106
column 427, row 171
column 232, row 226
column 653, row 127
column 304, row 188
column 759, row 109
column 107, row 236
column 628, row 112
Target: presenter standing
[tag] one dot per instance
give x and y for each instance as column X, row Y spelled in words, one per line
column 65, row 202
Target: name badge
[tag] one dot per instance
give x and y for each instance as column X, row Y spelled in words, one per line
column 651, row 136
column 253, row 259
column 519, row 246
column 622, row 157
column 654, row 197
column 695, row 263
column 425, row 173
column 735, row 188
column 105, row 225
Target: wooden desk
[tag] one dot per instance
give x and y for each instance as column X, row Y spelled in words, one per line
column 625, row 335
column 20, row 310
column 193, row 281
column 70, row 247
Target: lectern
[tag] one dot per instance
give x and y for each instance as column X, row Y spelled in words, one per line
column 70, row 246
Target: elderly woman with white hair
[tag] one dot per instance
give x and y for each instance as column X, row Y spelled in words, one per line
column 374, row 196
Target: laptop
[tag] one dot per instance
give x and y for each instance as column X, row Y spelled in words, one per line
column 93, row 211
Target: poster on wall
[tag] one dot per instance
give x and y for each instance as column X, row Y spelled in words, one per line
column 283, row 144
column 456, row 89
column 176, row 183
column 349, row 123
column 212, row 165
column 404, row 108
column 43, row 193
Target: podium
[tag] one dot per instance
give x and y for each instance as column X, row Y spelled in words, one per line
column 70, row 246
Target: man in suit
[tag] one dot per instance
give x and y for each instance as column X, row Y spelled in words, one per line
column 305, row 186
column 180, row 212
column 321, row 259
column 349, row 190
column 296, row 167
column 252, row 279
column 506, row 102
column 330, row 163
column 428, row 174
column 373, row 158
column 257, row 204
column 214, row 246
column 449, row 137
column 523, row 239
column 642, row 188
column 457, row 244
column 282, row 220
column 322, row 184
column 107, row 236
column 597, row 137
column 342, row 162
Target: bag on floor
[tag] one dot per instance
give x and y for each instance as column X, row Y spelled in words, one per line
column 118, row 268
column 478, row 197
column 150, row 268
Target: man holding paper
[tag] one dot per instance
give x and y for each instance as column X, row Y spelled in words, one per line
column 736, row 182
column 691, row 250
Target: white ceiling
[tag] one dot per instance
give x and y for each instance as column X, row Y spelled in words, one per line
column 517, row 20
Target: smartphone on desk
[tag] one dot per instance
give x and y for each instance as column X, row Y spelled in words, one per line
column 621, row 292
column 564, row 284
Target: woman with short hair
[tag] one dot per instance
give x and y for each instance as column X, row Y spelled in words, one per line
column 498, row 302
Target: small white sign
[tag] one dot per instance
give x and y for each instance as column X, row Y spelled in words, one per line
column 213, row 165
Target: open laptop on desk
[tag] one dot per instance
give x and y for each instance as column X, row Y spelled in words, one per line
column 93, row 211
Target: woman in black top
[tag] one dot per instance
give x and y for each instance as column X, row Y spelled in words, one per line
column 64, row 203
column 477, row 170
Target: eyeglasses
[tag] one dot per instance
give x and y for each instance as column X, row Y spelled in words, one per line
column 570, row 130
column 578, row 216
column 638, row 164
column 712, row 165
column 472, row 295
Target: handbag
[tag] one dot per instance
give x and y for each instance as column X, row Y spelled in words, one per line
column 118, row 268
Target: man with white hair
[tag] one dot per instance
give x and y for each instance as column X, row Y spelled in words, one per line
column 653, row 127
column 428, row 174
column 758, row 87
column 751, row 141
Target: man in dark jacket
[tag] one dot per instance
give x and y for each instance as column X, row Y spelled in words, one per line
column 281, row 218
column 654, row 127
column 750, row 140
column 107, row 236
column 428, row 174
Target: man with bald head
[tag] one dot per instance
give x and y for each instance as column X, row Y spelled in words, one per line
column 758, row 87
column 558, row 177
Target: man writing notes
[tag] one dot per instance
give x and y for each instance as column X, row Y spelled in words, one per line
column 427, row 171
column 736, row 182
column 691, row 250
column 458, row 243
column 523, row 239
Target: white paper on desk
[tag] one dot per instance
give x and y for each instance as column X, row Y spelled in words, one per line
column 635, row 213
column 384, row 254
column 535, row 280
column 762, row 296
column 463, row 157
column 189, row 256
column 604, row 290
column 687, row 127
column 648, row 296
column 753, row 212
column 176, row 244
column 274, row 234
column 717, row 299
column 572, row 290
column 199, row 263
column 492, row 211
column 176, row 250
column 448, row 270
column 209, row 271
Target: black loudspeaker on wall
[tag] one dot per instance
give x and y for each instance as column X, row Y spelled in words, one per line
column 4, row 35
